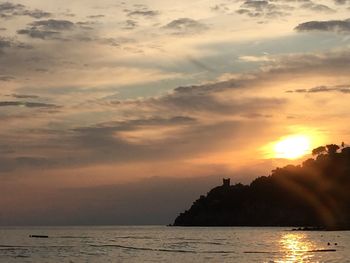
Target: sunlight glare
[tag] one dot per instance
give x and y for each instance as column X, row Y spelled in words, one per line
column 292, row 147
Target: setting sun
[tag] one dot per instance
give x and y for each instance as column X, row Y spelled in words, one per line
column 292, row 147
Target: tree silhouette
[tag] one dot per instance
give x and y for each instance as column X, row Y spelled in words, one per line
column 332, row 149
column 319, row 150
column 315, row 194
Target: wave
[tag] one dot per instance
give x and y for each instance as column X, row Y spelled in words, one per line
column 14, row 249
column 4, row 247
column 144, row 248
column 133, row 237
column 181, row 240
column 82, row 237
column 11, row 246
column 205, row 242
column 22, row 256
column 164, row 250
column 184, row 238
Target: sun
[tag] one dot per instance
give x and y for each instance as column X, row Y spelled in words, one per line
column 292, row 147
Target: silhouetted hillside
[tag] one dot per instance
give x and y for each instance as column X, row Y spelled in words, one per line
column 316, row 193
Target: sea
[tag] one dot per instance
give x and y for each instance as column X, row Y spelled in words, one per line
column 171, row 244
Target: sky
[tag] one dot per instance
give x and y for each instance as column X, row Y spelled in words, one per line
column 124, row 112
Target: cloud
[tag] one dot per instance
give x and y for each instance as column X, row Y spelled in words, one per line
column 87, row 25
column 342, row 26
column 264, row 9
column 204, row 98
column 103, row 139
column 320, row 89
column 257, row 5
column 95, row 16
column 173, row 126
column 111, row 42
column 130, row 24
column 183, row 26
column 26, row 104
column 53, row 24
column 130, row 142
column 24, row 96
column 37, row 33
column 341, row 2
column 12, row 43
column 36, row 13
column 5, row 43
column 143, row 13
column 278, row 9
column 9, row 10
column 47, row 29
column 6, row 78
column 317, row 7
column 322, row 63
column 223, row 8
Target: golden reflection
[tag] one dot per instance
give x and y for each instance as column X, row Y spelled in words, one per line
column 296, row 248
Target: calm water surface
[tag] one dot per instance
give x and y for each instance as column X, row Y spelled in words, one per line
column 171, row 244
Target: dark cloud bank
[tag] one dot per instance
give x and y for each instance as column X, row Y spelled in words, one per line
column 278, row 8
column 44, row 29
column 26, row 104
column 9, row 10
column 342, row 26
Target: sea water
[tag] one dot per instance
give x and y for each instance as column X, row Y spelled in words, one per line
column 171, row 244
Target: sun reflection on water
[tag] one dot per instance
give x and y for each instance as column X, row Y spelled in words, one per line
column 296, row 248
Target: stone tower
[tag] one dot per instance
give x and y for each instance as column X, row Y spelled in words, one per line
column 226, row 182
